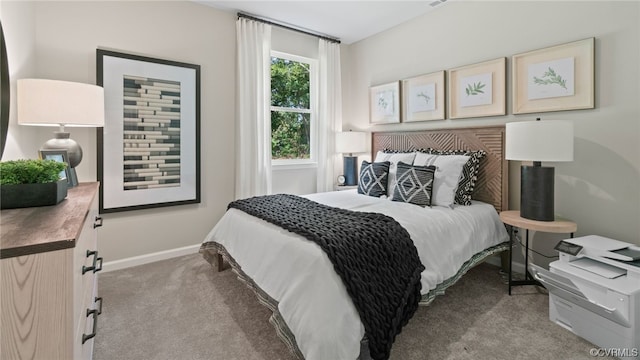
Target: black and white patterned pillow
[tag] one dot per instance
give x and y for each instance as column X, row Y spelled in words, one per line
column 373, row 178
column 469, row 174
column 391, row 151
column 414, row 184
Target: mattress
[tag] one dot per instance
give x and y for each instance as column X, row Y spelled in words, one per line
column 298, row 279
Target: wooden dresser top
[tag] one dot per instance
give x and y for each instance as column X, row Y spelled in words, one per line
column 34, row 230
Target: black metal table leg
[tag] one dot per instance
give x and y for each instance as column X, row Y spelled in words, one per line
column 528, row 279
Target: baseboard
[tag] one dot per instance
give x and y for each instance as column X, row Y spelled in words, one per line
column 149, row 258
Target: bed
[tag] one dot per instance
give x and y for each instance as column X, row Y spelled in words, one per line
column 312, row 312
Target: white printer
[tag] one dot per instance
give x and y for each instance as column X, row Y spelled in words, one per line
column 594, row 292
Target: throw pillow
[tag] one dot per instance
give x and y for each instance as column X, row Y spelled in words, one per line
column 448, row 173
column 469, row 175
column 373, row 178
column 394, row 159
column 414, row 184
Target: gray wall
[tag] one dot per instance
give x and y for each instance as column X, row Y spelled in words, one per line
column 599, row 189
column 61, row 39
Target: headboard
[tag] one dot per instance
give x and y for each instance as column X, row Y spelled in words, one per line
column 492, row 185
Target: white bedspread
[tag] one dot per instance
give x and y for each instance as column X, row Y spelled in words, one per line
column 311, row 297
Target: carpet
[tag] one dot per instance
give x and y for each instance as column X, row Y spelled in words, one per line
column 181, row 308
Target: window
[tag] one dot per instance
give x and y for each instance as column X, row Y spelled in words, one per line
column 293, row 118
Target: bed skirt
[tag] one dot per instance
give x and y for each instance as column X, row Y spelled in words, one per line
column 210, row 250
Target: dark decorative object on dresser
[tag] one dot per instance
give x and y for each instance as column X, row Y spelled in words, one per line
column 29, row 183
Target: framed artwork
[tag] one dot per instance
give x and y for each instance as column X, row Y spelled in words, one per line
column 59, row 156
column 556, row 78
column 384, row 103
column 149, row 148
column 423, row 97
column 478, row 90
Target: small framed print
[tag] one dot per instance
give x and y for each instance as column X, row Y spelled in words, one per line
column 556, row 78
column 478, row 90
column 423, row 97
column 384, row 103
column 59, row 156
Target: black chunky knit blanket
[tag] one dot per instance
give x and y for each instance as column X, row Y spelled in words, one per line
column 373, row 255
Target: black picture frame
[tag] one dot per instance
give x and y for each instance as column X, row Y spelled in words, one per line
column 149, row 148
column 59, row 156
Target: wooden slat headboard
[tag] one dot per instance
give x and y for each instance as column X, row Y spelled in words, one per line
column 492, row 186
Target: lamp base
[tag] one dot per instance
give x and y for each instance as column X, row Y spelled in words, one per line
column 350, row 170
column 537, row 192
column 62, row 141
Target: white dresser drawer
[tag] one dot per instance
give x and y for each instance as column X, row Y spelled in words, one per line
column 45, row 294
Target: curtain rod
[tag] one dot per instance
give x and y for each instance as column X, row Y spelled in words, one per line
column 307, row 32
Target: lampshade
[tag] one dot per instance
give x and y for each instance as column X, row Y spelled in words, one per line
column 53, row 103
column 544, row 140
column 351, row 142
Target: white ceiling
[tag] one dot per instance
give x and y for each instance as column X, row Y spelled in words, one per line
column 349, row 21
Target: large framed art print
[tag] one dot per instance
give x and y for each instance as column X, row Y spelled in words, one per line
column 149, row 147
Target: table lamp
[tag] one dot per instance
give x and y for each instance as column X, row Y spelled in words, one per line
column 349, row 142
column 537, row 141
column 60, row 103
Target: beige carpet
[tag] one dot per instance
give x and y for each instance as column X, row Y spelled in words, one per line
column 181, row 309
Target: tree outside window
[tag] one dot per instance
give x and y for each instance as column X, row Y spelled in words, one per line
column 291, row 109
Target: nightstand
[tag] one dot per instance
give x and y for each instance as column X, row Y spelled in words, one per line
column 345, row 187
column 513, row 219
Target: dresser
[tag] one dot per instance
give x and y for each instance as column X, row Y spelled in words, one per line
column 48, row 267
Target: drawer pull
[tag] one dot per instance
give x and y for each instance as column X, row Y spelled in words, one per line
column 98, row 222
column 95, row 314
column 94, row 267
column 95, row 300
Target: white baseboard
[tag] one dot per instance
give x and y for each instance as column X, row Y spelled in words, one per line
column 149, row 258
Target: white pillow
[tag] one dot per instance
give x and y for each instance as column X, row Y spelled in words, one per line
column 394, row 159
column 448, row 171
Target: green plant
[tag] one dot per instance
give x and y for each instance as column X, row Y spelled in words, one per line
column 30, row 171
column 475, row 88
column 549, row 78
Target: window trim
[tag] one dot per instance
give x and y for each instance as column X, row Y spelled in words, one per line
column 312, row 161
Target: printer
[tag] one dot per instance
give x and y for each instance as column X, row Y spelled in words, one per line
column 594, row 292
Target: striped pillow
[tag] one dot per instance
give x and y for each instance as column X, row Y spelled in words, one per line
column 414, row 184
column 373, row 178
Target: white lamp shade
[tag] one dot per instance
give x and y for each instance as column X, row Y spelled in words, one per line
column 546, row 140
column 53, row 103
column 351, row 142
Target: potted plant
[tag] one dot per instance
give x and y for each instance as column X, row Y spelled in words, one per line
column 28, row 183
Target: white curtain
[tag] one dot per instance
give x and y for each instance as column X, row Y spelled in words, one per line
column 253, row 125
column 329, row 114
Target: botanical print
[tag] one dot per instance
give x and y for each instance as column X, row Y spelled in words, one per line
column 384, row 102
column 151, row 133
column 422, row 98
column 551, row 79
column 476, row 90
